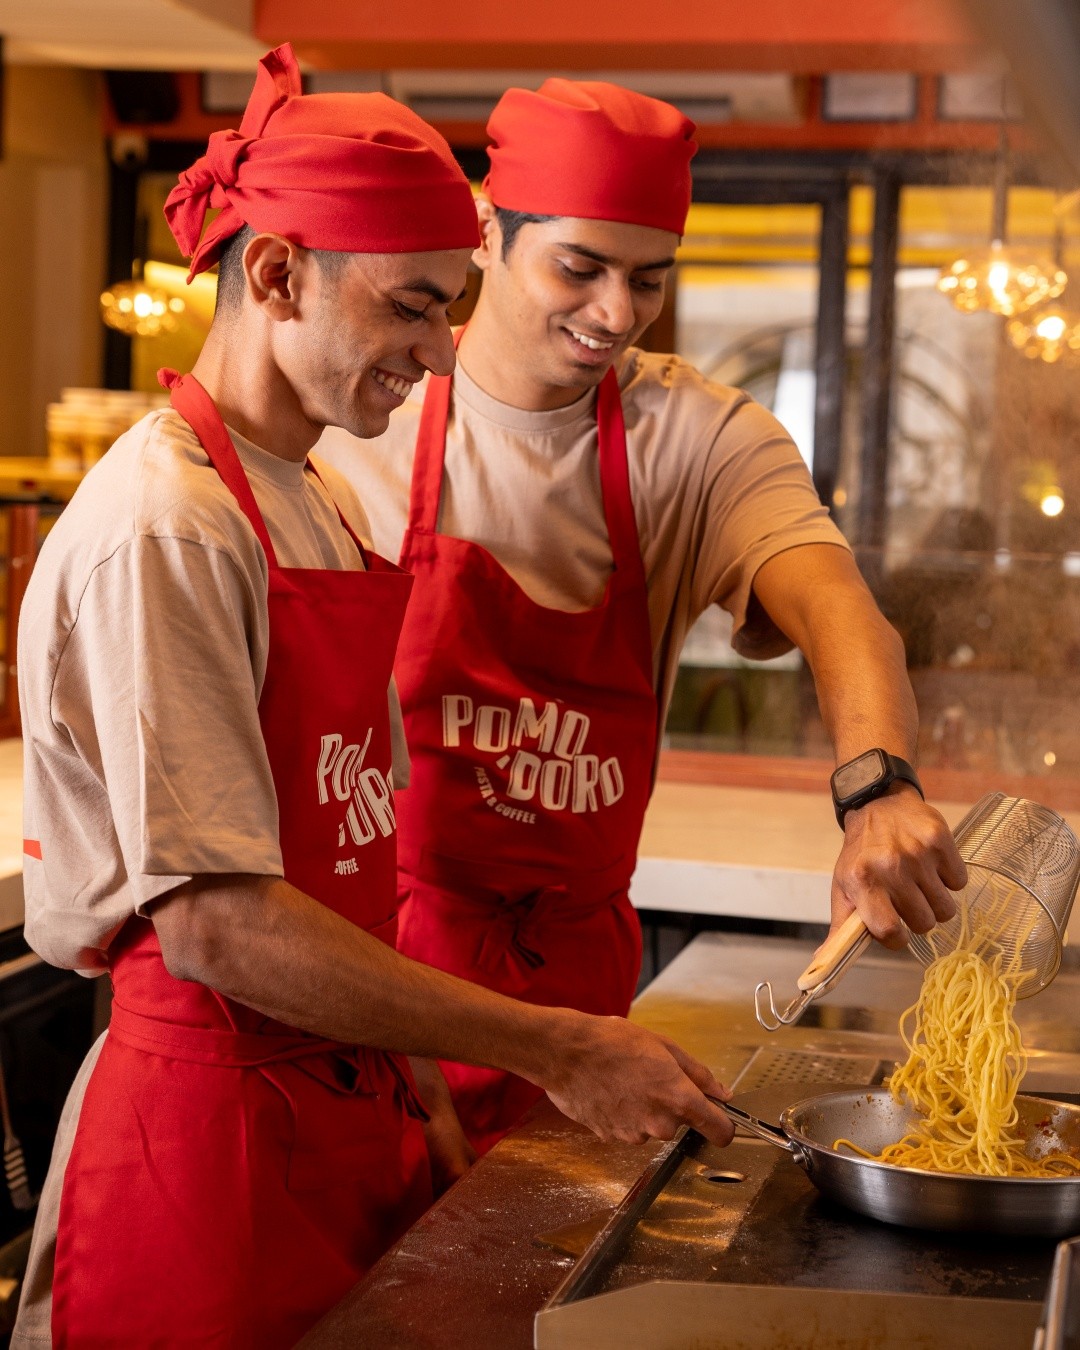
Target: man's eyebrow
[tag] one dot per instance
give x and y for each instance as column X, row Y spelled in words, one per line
column 592, row 254
column 426, row 287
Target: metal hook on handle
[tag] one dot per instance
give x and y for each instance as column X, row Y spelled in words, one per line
column 840, row 950
column 771, row 1018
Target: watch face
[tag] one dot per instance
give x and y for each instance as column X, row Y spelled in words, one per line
column 851, row 779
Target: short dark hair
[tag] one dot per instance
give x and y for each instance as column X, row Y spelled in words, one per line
column 230, row 287
column 230, row 273
column 510, row 222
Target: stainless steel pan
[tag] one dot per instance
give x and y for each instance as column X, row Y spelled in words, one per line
column 869, row 1117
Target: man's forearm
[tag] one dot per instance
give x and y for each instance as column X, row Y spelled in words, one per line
column 862, row 684
column 816, row 596
column 265, row 944
column 898, row 862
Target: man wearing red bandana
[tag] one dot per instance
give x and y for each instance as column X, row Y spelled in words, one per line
column 211, row 756
column 569, row 505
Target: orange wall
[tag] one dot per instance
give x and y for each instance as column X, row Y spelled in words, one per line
column 800, row 36
column 53, row 184
column 924, row 133
column 807, row 36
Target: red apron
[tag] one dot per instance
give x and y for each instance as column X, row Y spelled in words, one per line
column 532, row 733
column 231, row 1178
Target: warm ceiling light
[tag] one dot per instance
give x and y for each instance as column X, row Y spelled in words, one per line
column 1051, row 327
column 1050, row 333
column 1001, row 280
column 1052, row 502
column 140, row 310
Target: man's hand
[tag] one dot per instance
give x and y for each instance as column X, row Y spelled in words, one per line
column 450, row 1153
column 628, row 1084
column 897, row 867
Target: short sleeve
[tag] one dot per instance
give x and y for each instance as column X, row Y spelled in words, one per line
column 757, row 500
column 158, row 684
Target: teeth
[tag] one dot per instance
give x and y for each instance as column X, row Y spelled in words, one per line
column 394, row 383
column 594, row 344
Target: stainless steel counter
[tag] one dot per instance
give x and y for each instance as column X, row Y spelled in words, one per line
column 480, row 1265
column 470, row 1274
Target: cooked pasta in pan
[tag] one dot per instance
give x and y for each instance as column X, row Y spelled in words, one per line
column 965, row 1062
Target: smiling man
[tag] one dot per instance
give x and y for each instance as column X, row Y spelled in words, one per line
column 205, row 649
column 569, row 505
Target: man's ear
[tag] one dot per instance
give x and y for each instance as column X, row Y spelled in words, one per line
column 274, row 270
column 490, row 249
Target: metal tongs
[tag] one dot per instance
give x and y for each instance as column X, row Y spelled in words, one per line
column 830, row 961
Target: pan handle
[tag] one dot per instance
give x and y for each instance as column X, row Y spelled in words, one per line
column 772, row 1134
column 1062, row 1299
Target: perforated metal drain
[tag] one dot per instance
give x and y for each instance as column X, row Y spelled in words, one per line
column 767, row 1067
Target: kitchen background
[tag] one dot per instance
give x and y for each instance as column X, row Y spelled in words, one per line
column 852, row 156
column 844, row 165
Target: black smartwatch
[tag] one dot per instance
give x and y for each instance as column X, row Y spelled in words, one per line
column 868, row 776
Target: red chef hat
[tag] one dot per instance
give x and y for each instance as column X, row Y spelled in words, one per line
column 583, row 148
column 353, row 173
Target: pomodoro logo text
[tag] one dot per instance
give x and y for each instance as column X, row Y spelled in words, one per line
column 541, row 753
column 343, row 776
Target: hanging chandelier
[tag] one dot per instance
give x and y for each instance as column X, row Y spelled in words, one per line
column 1000, row 279
column 1050, row 333
column 139, row 310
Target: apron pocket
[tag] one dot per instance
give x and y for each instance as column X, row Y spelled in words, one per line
column 337, row 1136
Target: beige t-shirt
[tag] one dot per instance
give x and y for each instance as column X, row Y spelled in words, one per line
column 717, row 484
column 142, row 652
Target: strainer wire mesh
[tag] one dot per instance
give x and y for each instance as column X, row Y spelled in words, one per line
column 1023, row 866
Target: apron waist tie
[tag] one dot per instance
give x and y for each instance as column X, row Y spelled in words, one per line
column 488, row 885
column 225, row 1048
column 515, row 913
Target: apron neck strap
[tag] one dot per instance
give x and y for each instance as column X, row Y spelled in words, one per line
column 427, row 472
column 340, row 514
column 200, row 412
column 615, row 483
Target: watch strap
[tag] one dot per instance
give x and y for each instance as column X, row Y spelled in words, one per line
column 896, row 770
column 903, row 771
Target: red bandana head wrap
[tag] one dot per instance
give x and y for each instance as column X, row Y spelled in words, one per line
column 589, row 149
column 351, row 173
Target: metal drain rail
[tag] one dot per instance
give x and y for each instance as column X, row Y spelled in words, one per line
column 768, row 1067
column 612, row 1238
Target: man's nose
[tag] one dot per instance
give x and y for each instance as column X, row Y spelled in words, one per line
column 435, row 351
column 614, row 308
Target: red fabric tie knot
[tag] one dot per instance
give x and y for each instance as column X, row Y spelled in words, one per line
column 224, row 153
column 188, row 204
column 201, row 187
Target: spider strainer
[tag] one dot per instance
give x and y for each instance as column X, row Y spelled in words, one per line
column 1023, row 865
